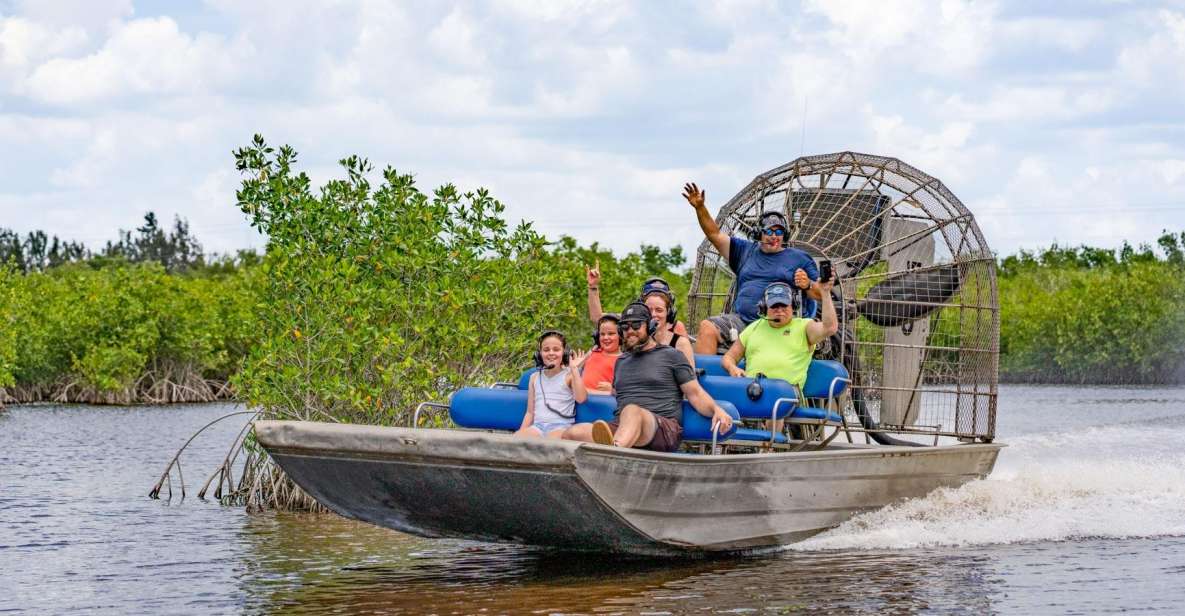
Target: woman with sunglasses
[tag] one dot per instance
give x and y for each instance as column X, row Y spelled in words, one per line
column 756, row 266
column 658, row 297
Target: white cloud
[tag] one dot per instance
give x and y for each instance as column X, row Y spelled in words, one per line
column 587, row 115
column 1158, row 59
column 142, row 57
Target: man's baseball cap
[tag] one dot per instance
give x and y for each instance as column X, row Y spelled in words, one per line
column 635, row 312
column 779, row 294
column 773, row 218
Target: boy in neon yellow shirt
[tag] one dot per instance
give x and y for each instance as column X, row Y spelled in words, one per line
column 777, row 344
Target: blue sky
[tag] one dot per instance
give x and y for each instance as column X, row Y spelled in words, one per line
column 1051, row 121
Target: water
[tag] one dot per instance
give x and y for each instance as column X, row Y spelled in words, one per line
column 1085, row 513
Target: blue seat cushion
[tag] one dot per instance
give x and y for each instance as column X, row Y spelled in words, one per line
column 524, row 381
column 754, row 434
column 711, row 366
column 488, row 409
column 734, row 390
column 596, row 407
column 503, row 409
column 808, row 412
column 819, row 377
column 696, row 427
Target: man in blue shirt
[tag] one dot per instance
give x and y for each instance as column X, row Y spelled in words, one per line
column 756, row 265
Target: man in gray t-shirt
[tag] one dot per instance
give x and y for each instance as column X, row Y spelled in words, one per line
column 650, row 382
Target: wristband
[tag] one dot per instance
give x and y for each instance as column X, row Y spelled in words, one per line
column 594, row 288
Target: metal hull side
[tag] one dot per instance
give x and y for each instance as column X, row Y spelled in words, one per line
column 742, row 502
column 452, row 484
column 586, row 497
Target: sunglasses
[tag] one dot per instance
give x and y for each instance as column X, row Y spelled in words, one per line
column 628, row 325
column 779, row 232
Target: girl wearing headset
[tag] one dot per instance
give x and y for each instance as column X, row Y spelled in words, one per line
column 657, row 296
column 602, row 359
column 555, row 388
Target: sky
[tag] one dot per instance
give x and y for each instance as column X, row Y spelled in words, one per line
column 1060, row 121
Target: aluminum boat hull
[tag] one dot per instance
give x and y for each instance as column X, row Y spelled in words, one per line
column 579, row 496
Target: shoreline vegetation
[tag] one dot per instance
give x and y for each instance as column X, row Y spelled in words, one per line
column 372, row 299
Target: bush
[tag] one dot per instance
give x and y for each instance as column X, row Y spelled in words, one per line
column 124, row 333
column 375, row 298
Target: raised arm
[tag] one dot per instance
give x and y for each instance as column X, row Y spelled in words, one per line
column 696, row 198
column 816, row 331
column 732, row 357
column 705, row 405
column 593, row 274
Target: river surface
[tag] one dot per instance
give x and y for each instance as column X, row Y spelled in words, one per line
column 1085, row 513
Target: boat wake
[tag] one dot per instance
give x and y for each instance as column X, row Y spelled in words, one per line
column 1117, row 481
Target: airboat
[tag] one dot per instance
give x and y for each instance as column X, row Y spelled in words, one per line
column 899, row 403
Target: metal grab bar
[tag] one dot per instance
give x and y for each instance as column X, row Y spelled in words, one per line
column 415, row 418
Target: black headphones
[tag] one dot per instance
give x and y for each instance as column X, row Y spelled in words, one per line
column 658, row 285
column 651, row 323
column 755, row 233
column 596, row 335
column 539, row 342
column 763, row 308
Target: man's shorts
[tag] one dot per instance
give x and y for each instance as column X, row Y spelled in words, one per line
column 730, row 326
column 668, row 434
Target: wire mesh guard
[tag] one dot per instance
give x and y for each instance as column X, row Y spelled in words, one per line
column 917, row 298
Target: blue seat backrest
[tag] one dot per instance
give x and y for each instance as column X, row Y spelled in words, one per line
column 819, row 377
column 503, row 409
column 596, row 407
column 735, row 390
column 488, row 409
column 696, row 427
column 710, row 364
column 524, row 381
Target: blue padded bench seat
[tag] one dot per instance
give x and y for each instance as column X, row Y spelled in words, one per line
column 503, row 409
column 711, row 366
column 754, row 434
column 734, row 390
column 807, row 412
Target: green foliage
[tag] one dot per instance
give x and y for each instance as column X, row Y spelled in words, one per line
column 375, row 298
column 108, row 334
column 13, row 296
column 1089, row 315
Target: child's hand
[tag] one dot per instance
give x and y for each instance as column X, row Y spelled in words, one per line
column 578, row 358
column 594, row 274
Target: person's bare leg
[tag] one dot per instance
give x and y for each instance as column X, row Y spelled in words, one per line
column 529, row 432
column 706, row 338
column 636, row 427
column 557, row 434
column 579, row 432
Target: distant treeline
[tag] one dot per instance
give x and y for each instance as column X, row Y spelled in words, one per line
column 432, row 292
column 176, row 250
column 1092, row 315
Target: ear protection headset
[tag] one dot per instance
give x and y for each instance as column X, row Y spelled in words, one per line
column 539, row 343
column 651, row 323
column 658, row 285
column 778, row 219
column 763, row 306
column 596, row 334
